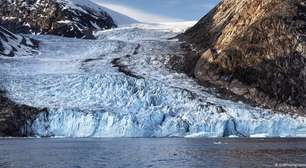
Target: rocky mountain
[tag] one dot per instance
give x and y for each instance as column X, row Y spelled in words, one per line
column 11, row 44
column 255, row 49
column 70, row 18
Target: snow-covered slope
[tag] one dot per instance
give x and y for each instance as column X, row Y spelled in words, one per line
column 122, row 85
column 120, row 19
column 11, row 44
column 71, row 18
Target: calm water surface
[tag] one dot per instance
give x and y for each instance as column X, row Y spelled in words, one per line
column 159, row 153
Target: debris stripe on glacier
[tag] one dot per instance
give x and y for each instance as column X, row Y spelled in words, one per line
column 92, row 99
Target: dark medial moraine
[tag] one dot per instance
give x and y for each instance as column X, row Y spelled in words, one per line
column 255, row 49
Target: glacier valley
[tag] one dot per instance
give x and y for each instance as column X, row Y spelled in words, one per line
column 121, row 85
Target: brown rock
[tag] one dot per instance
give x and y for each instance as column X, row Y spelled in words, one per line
column 14, row 117
column 260, row 43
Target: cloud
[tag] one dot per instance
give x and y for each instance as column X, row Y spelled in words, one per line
column 137, row 14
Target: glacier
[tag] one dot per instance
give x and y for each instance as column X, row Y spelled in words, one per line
column 121, row 85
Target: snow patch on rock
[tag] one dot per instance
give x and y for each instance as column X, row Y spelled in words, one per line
column 11, row 44
column 69, row 18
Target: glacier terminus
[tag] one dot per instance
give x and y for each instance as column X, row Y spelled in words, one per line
column 124, row 85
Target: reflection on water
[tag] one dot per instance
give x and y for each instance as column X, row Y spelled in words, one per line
column 159, row 153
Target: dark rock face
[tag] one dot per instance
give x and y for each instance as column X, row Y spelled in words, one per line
column 11, row 44
column 255, row 49
column 15, row 118
column 70, row 18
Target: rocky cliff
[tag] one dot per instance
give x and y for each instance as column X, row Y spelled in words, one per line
column 12, row 44
column 70, row 18
column 256, row 49
column 14, row 118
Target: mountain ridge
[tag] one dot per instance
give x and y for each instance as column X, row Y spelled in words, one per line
column 70, row 18
column 254, row 49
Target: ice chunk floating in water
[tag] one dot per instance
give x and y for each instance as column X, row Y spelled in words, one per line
column 121, row 86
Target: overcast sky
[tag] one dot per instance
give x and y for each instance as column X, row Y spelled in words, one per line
column 161, row 10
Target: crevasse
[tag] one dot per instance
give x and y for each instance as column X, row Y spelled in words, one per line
column 88, row 96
